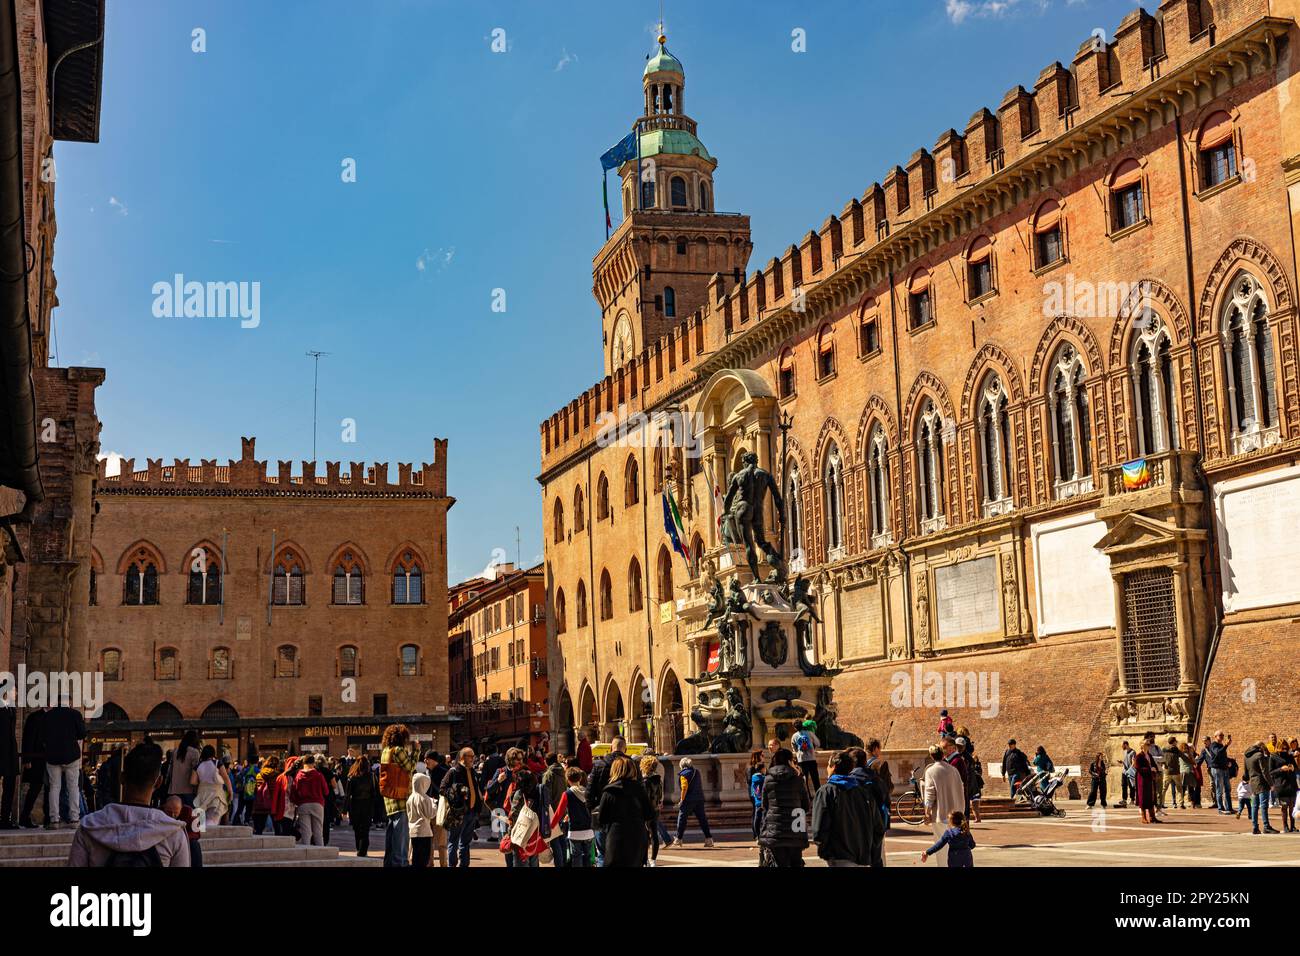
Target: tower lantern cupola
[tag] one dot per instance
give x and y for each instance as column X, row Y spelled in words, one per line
column 663, row 80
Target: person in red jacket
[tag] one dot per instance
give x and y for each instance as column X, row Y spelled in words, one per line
column 584, row 752
column 309, row 794
column 282, row 802
column 264, row 793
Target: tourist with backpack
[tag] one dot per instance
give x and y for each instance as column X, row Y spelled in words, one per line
column 865, row 773
column 574, row 814
column 264, row 793
column 396, row 764
column 248, row 790
column 132, row 833
column 845, row 821
column 806, row 744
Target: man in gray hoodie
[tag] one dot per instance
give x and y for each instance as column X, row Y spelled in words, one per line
column 132, row 833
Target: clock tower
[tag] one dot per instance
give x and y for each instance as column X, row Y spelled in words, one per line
column 654, row 270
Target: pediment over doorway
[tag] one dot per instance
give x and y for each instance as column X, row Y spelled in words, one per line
column 1135, row 534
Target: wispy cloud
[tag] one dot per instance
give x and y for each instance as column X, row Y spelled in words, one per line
column 565, row 59
column 960, row 11
column 118, row 205
column 437, row 260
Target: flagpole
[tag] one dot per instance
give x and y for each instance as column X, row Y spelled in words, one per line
column 604, row 188
column 221, row 613
column 270, row 597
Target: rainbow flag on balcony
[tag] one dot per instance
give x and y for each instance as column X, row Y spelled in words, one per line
column 1136, row 474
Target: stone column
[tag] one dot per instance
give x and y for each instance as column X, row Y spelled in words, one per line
column 1187, row 679
column 1118, row 580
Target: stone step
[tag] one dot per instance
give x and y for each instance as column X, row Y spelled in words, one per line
column 64, row 837
column 10, row 850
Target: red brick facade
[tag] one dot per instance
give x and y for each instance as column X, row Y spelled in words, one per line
column 358, row 640
column 1100, row 271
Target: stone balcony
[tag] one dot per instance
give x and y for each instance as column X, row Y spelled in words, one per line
column 1171, row 480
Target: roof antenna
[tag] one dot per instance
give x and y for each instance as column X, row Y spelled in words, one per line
column 315, row 379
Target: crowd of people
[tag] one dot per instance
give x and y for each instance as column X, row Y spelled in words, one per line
column 147, row 807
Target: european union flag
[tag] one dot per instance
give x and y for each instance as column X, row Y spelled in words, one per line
column 619, row 153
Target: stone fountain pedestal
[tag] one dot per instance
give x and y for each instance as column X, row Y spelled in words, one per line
column 760, row 653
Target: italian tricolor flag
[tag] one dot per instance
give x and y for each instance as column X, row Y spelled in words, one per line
column 673, row 526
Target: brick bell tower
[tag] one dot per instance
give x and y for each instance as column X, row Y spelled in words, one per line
column 654, row 270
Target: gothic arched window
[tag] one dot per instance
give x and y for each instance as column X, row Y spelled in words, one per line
column 579, row 509
column 794, row 520
column 665, row 574
column 561, row 612
column 929, row 468
column 634, row 602
column 557, row 521
column 878, row 486
column 994, row 442
column 1152, row 369
column 833, row 485
column 287, row 580
column 348, row 580
column 1067, row 403
column 205, row 578
column 408, row 580
column 140, row 586
column 580, row 611
column 1250, row 373
column 631, row 482
column 602, row 497
column 606, row 596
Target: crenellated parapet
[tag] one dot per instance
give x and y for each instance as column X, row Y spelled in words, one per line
column 249, row 476
column 646, row 380
column 1115, row 89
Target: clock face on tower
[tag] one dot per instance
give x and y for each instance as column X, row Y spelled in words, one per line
column 620, row 350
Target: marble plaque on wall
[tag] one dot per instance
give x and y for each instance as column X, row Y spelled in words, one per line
column 966, row 598
column 863, row 633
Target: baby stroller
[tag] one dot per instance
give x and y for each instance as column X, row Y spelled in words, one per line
column 1037, row 790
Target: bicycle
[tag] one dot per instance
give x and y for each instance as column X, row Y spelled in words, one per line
column 909, row 807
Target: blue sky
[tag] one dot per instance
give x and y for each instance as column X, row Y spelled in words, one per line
column 475, row 171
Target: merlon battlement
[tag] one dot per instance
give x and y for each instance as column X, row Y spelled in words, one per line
column 250, row 473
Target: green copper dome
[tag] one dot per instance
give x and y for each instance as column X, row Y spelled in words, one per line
column 676, row 142
column 664, row 62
